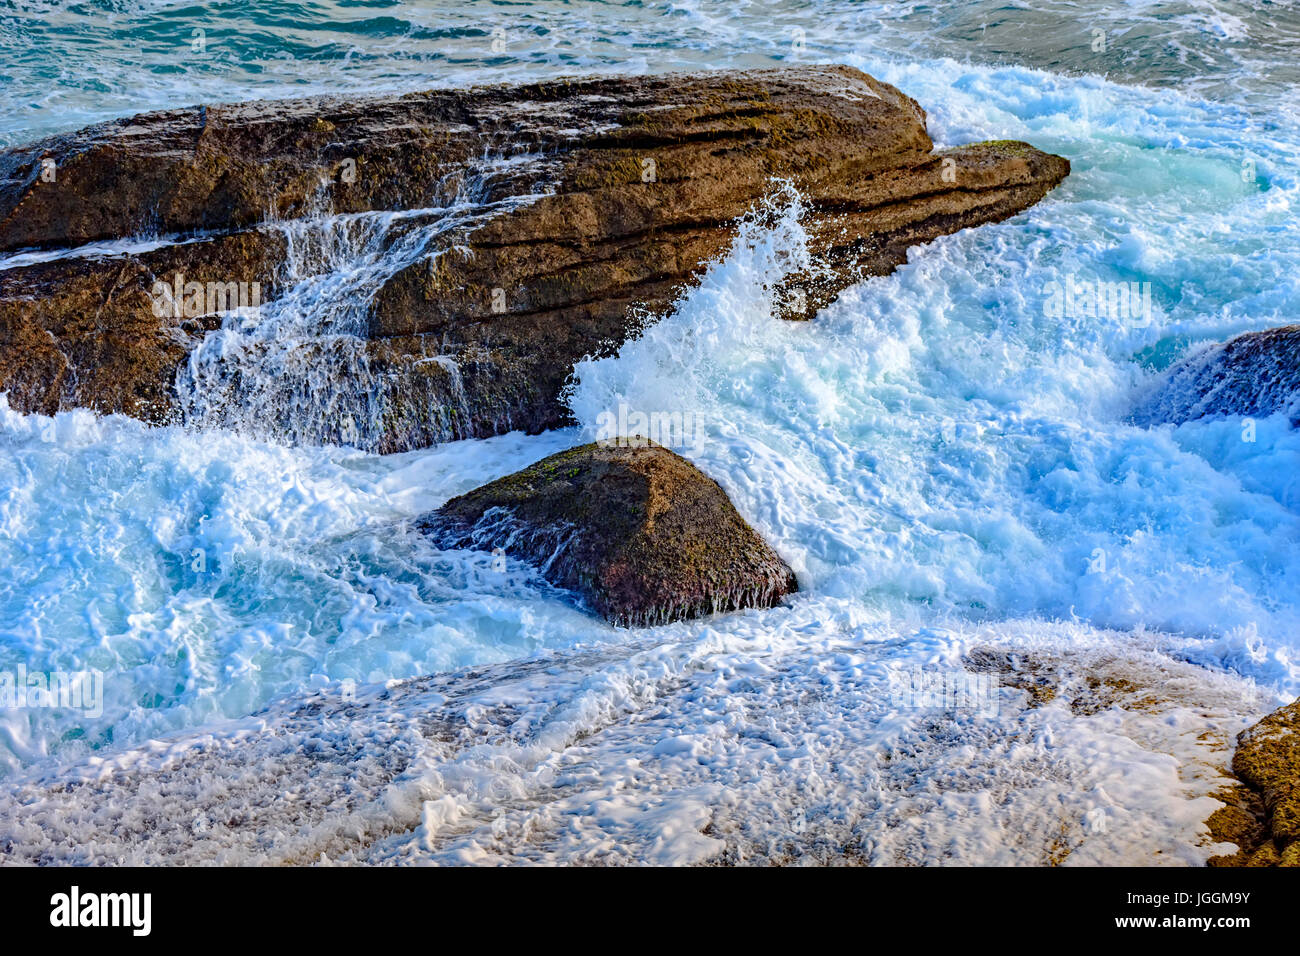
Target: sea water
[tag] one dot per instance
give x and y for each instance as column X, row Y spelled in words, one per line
column 941, row 455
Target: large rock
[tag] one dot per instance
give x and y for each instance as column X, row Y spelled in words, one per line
column 1267, row 762
column 1256, row 374
column 641, row 534
column 570, row 201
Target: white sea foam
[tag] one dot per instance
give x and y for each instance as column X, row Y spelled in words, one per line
column 772, row 737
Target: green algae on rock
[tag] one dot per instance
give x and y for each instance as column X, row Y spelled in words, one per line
column 641, row 534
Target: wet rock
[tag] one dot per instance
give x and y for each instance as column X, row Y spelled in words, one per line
column 1256, row 374
column 1267, row 763
column 86, row 331
column 593, row 196
column 228, row 167
column 641, row 534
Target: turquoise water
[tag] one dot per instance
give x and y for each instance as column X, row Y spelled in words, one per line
column 63, row 65
column 935, row 449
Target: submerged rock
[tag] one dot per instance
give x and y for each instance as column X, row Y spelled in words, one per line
column 641, row 534
column 1254, row 374
column 503, row 234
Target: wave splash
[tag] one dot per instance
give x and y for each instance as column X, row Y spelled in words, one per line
column 299, row 368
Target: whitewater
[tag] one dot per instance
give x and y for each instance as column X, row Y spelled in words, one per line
column 294, row 674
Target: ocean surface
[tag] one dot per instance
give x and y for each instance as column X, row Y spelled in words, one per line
column 942, row 457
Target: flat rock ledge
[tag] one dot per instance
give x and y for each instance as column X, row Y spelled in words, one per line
column 638, row 532
column 1255, row 374
column 601, row 195
column 1262, row 814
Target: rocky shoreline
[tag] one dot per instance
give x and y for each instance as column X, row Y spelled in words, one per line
column 786, row 748
column 1261, row 813
column 567, row 212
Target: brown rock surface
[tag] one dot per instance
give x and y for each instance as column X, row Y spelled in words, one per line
column 1267, row 763
column 635, row 182
column 641, row 534
column 83, row 331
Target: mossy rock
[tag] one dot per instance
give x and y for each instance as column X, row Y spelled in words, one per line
column 639, row 533
column 1267, row 761
column 1268, row 754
